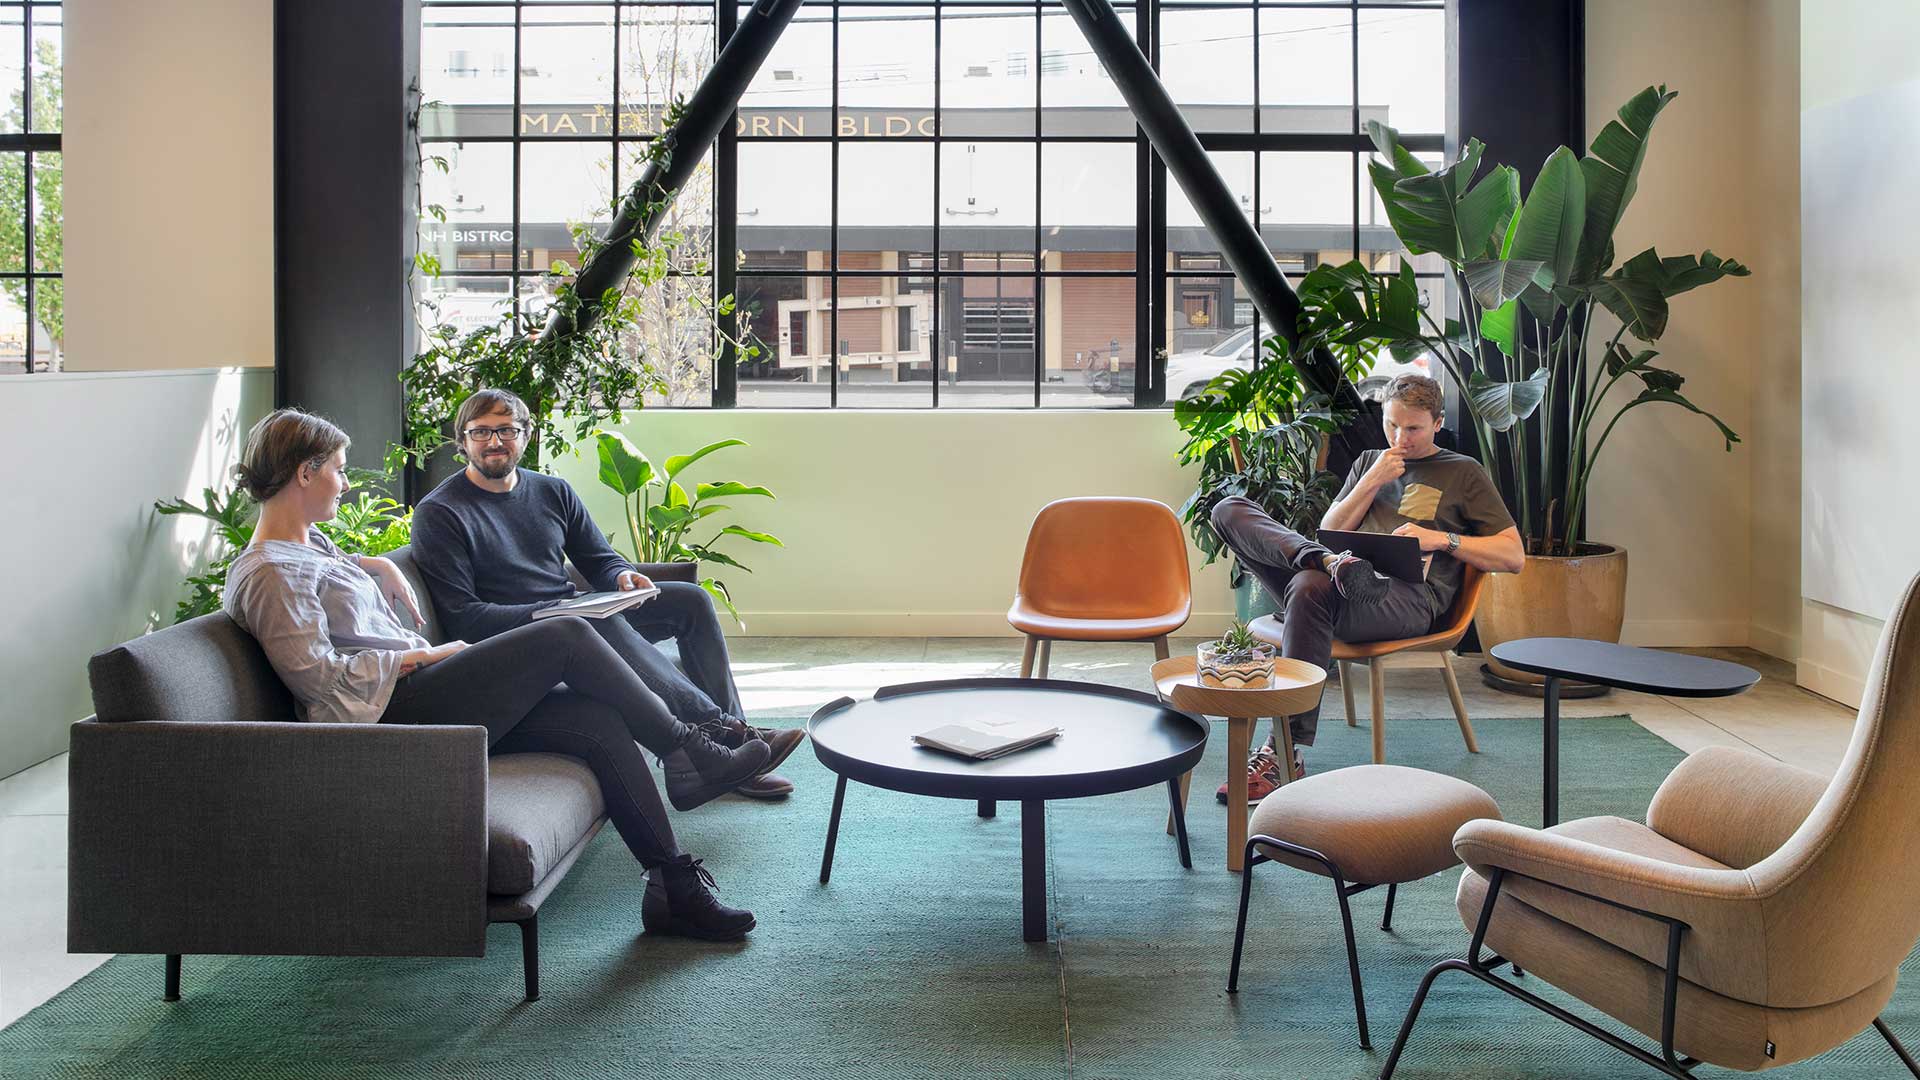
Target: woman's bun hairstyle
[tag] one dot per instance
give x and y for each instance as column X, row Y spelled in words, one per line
column 278, row 445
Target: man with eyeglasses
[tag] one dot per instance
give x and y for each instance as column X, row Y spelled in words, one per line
column 493, row 542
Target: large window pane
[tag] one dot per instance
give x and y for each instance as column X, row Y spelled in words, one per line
column 788, row 320
column 47, row 48
column 465, row 302
column 466, row 71
column 664, row 51
column 792, row 93
column 989, row 332
column 13, row 326
column 1403, row 68
column 13, row 118
column 687, row 228
column 566, row 70
column 1087, row 333
column 884, row 341
column 1077, row 96
column 785, row 205
column 987, row 78
column 471, row 184
column 1306, row 70
column 49, row 219
column 986, row 196
column 1206, row 62
column 1210, row 328
column 1185, row 232
column 1088, row 201
column 886, row 203
column 562, row 185
column 886, row 72
column 1306, row 207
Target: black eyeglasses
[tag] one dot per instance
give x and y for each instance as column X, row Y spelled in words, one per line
column 510, row 433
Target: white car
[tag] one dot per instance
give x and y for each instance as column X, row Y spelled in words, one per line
column 1189, row 372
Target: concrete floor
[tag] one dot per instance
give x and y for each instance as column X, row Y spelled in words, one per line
column 784, row 679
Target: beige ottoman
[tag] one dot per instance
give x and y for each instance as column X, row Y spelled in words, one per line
column 1366, row 826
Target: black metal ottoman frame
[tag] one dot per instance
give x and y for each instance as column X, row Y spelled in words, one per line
column 1341, row 890
column 1668, row 1061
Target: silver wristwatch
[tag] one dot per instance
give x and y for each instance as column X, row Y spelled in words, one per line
column 1453, row 542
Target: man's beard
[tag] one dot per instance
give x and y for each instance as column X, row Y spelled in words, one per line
column 497, row 468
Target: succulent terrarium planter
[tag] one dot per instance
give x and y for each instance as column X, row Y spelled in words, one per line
column 1244, row 667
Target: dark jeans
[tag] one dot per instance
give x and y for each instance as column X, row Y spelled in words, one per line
column 1313, row 612
column 685, row 613
column 500, row 682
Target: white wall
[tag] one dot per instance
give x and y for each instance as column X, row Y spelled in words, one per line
column 169, row 170
column 1860, row 81
column 902, row 522
column 90, row 563
column 1716, row 177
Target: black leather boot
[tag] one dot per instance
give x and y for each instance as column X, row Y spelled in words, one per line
column 701, row 770
column 678, row 902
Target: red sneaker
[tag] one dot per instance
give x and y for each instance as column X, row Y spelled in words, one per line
column 1263, row 776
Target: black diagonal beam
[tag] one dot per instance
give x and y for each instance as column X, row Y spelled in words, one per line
column 646, row 203
column 1175, row 142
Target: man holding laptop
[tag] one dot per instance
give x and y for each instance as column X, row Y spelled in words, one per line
column 1441, row 499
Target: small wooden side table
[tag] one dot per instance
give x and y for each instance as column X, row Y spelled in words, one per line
column 1294, row 688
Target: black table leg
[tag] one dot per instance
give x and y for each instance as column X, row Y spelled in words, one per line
column 988, row 807
column 1179, row 821
column 1033, row 869
column 1550, row 754
column 833, row 829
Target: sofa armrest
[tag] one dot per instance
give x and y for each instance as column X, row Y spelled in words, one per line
column 277, row 838
column 1617, row 877
column 670, row 571
column 1733, row 806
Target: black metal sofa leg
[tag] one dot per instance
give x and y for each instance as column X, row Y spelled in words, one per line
column 173, row 979
column 530, row 953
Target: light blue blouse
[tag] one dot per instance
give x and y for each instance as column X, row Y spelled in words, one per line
column 324, row 624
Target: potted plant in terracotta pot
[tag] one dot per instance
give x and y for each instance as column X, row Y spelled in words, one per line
column 1548, row 329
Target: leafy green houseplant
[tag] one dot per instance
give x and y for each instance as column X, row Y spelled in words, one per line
column 1235, row 660
column 661, row 516
column 371, row 524
column 1260, row 433
column 1530, row 276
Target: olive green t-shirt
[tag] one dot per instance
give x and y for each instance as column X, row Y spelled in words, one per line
column 1445, row 491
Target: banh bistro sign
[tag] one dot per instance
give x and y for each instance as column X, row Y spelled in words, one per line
column 788, row 123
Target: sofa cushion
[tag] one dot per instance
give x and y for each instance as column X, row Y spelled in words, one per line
column 538, row 808
column 202, row 669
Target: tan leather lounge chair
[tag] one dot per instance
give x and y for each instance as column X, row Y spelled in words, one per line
column 1758, row 918
column 1101, row 569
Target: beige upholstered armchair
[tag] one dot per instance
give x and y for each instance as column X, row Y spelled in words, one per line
column 1758, row 918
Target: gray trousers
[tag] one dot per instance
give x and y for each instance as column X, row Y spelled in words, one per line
column 1313, row 612
column 683, row 611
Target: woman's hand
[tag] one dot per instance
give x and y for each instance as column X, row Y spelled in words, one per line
column 414, row 659
column 393, row 585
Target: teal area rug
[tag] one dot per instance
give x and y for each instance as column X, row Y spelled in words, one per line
column 910, row 964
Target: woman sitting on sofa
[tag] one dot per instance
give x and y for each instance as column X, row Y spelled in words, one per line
column 329, row 624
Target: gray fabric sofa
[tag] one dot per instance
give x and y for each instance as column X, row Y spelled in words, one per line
column 206, row 819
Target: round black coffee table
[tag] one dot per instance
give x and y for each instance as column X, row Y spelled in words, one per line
column 1625, row 666
column 1112, row 740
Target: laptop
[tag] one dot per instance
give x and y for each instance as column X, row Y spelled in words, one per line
column 1394, row 556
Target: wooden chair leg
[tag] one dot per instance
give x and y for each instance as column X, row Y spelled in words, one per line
column 1378, row 673
column 1160, row 651
column 1046, row 657
column 1459, row 706
column 1346, row 691
column 1026, row 657
column 1239, row 736
column 1283, row 740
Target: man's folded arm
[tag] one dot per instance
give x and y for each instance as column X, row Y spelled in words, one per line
column 445, row 558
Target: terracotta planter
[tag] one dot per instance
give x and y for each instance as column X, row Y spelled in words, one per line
column 1581, row 596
